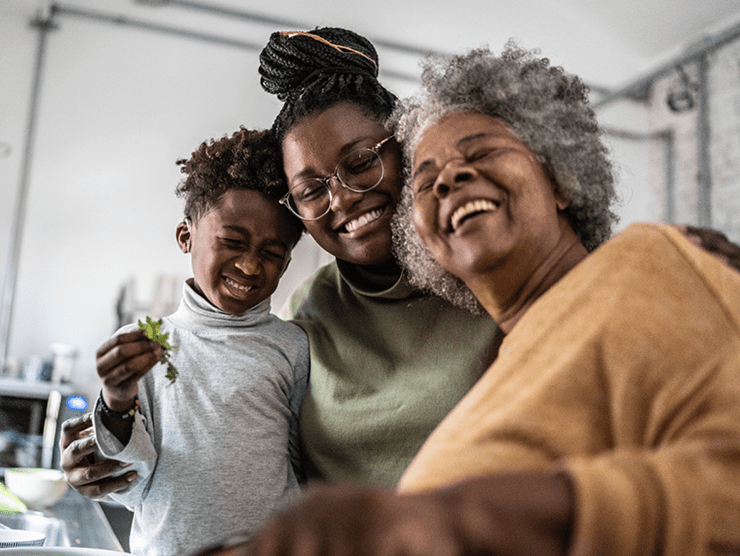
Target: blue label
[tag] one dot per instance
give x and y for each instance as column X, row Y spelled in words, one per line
column 78, row 403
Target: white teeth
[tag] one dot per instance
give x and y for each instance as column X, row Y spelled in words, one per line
column 238, row 286
column 352, row 225
column 479, row 205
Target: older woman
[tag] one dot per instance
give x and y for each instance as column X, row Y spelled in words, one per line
column 621, row 367
column 610, row 421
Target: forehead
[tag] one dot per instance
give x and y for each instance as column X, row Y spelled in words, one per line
column 455, row 131
column 320, row 137
column 246, row 208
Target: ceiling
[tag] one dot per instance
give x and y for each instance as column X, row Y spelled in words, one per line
column 651, row 28
column 609, row 43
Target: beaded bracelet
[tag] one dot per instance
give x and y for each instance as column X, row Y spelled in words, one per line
column 108, row 412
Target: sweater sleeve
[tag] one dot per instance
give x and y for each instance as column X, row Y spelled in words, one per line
column 140, row 452
column 295, row 400
column 678, row 491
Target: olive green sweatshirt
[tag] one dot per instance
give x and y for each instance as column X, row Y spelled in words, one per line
column 386, row 367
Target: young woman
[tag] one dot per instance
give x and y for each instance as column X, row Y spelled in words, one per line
column 381, row 351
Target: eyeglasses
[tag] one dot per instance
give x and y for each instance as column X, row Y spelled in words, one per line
column 359, row 171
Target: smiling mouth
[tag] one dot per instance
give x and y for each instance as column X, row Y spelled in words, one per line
column 471, row 208
column 237, row 286
column 363, row 220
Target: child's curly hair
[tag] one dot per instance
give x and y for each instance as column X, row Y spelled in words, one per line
column 249, row 159
column 546, row 108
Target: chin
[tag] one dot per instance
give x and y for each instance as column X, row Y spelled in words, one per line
column 368, row 250
column 372, row 254
column 474, row 264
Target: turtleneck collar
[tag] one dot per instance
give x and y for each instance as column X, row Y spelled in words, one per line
column 196, row 312
column 386, row 280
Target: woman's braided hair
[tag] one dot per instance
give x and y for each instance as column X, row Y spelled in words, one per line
column 312, row 71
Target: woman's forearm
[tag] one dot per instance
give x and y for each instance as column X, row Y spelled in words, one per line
column 508, row 514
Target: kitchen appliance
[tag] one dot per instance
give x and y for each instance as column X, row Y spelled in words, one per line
column 31, row 415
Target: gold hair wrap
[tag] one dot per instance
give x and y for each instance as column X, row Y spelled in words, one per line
column 339, row 47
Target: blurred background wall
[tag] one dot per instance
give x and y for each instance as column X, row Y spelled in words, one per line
column 126, row 88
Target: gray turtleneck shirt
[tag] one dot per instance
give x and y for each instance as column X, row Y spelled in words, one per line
column 217, row 451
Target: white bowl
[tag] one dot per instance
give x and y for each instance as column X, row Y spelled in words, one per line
column 38, row 488
column 10, row 538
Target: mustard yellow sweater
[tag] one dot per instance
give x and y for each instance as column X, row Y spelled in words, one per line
column 627, row 374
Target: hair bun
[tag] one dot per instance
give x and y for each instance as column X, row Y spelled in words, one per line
column 292, row 60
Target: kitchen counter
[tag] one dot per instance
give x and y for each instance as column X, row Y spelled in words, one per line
column 32, row 389
column 73, row 521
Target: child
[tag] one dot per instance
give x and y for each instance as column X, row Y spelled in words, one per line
column 213, row 449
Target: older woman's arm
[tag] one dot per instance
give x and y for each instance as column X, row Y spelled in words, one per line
column 507, row 514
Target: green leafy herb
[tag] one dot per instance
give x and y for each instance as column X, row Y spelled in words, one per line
column 154, row 332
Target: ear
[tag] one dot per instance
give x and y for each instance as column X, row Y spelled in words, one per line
column 561, row 201
column 183, row 236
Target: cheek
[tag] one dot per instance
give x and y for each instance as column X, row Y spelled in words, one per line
column 276, row 270
column 393, row 181
column 210, row 263
column 318, row 231
column 425, row 222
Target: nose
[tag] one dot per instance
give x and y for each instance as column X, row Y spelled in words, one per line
column 453, row 174
column 341, row 197
column 248, row 263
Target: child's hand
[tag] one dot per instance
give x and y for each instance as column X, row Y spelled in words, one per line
column 121, row 362
column 93, row 480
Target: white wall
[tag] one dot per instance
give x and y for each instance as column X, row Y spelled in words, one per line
column 723, row 95
column 118, row 106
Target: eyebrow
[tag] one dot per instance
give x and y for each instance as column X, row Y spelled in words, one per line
column 422, row 167
column 344, row 150
column 245, row 233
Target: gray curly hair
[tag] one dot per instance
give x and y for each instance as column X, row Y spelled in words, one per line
column 546, row 108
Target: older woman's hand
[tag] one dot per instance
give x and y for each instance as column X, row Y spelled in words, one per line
column 714, row 242
column 521, row 513
column 335, row 521
column 88, row 477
